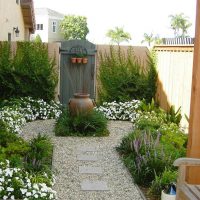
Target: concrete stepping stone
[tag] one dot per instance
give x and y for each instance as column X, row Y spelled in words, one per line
column 87, row 157
column 90, row 170
column 87, row 185
column 86, row 149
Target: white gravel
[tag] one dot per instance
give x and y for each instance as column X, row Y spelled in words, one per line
column 66, row 165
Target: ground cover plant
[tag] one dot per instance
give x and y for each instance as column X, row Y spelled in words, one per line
column 25, row 167
column 84, row 124
column 123, row 78
column 28, row 72
column 16, row 112
column 120, row 111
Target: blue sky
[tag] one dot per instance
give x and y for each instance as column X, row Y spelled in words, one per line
column 135, row 16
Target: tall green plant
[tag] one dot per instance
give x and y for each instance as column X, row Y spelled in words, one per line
column 29, row 73
column 5, row 56
column 123, row 78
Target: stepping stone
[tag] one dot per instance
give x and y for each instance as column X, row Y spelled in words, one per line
column 87, row 157
column 90, row 170
column 86, row 149
column 87, row 185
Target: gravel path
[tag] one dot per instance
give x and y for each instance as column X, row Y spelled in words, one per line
column 100, row 154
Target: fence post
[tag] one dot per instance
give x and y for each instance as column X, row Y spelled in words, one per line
column 193, row 148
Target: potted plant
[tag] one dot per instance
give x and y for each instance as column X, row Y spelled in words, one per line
column 79, row 58
column 170, row 193
column 85, row 60
column 164, row 185
column 73, row 59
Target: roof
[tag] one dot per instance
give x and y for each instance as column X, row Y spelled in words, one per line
column 28, row 14
column 47, row 11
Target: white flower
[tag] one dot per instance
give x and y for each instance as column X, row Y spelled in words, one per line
column 8, row 172
column 23, row 191
column 43, row 195
column 12, row 197
column 9, row 189
column 2, row 179
column 28, row 194
column 35, row 186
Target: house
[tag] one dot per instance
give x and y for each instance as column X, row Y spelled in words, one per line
column 17, row 20
column 47, row 25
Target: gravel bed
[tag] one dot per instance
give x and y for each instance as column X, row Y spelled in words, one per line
column 66, row 165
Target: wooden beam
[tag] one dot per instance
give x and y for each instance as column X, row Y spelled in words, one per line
column 171, row 48
column 193, row 148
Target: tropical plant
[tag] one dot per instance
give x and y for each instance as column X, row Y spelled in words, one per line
column 118, row 35
column 174, row 116
column 180, row 24
column 149, row 38
column 74, row 27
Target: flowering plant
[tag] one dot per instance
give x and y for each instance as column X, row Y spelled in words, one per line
column 120, row 111
column 17, row 112
column 16, row 183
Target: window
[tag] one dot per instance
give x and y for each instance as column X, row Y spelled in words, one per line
column 39, row 26
column 9, row 37
column 54, row 27
column 17, row 1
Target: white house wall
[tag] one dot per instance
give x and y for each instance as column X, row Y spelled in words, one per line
column 10, row 17
column 57, row 36
column 46, row 17
column 42, row 19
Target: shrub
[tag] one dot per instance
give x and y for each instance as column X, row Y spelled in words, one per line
column 146, row 158
column 123, row 78
column 88, row 124
column 29, row 73
column 12, row 148
column 38, row 157
column 149, row 121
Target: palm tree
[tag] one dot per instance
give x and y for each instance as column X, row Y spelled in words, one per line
column 185, row 26
column 180, row 24
column 149, row 38
column 118, row 35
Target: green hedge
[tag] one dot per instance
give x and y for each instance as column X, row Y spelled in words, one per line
column 123, row 78
column 29, row 72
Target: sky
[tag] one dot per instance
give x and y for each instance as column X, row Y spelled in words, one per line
column 134, row 16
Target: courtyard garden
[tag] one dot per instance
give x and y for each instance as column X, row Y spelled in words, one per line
column 126, row 93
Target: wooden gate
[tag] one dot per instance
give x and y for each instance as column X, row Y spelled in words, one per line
column 77, row 77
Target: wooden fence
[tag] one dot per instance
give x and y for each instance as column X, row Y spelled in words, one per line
column 174, row 65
